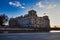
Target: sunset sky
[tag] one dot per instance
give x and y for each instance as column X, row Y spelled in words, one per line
column 21, row 7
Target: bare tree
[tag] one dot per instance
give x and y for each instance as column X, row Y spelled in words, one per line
column 3, row 19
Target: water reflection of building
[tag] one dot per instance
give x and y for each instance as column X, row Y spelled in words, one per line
column 30, row 20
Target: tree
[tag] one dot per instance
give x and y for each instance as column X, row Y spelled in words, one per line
column 3, row 19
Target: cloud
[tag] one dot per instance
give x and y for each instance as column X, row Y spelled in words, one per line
column 45, row 6
column 40, row 5
column 17, row 4
column 50, row 6
column 22, row 7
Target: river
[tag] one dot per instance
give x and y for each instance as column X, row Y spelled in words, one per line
column 30, row 36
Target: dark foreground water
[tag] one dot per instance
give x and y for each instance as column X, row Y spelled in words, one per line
column 30, row 36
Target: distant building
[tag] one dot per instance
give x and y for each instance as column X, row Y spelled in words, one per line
column 30, row 20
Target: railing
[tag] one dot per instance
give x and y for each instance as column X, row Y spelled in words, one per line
column 15, row 29
column 25, row 28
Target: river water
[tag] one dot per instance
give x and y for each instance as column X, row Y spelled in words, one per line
column 30, row 36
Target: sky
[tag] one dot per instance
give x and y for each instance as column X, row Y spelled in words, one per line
column 15, row 8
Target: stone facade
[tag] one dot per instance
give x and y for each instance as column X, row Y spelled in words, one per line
column 30, row 20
